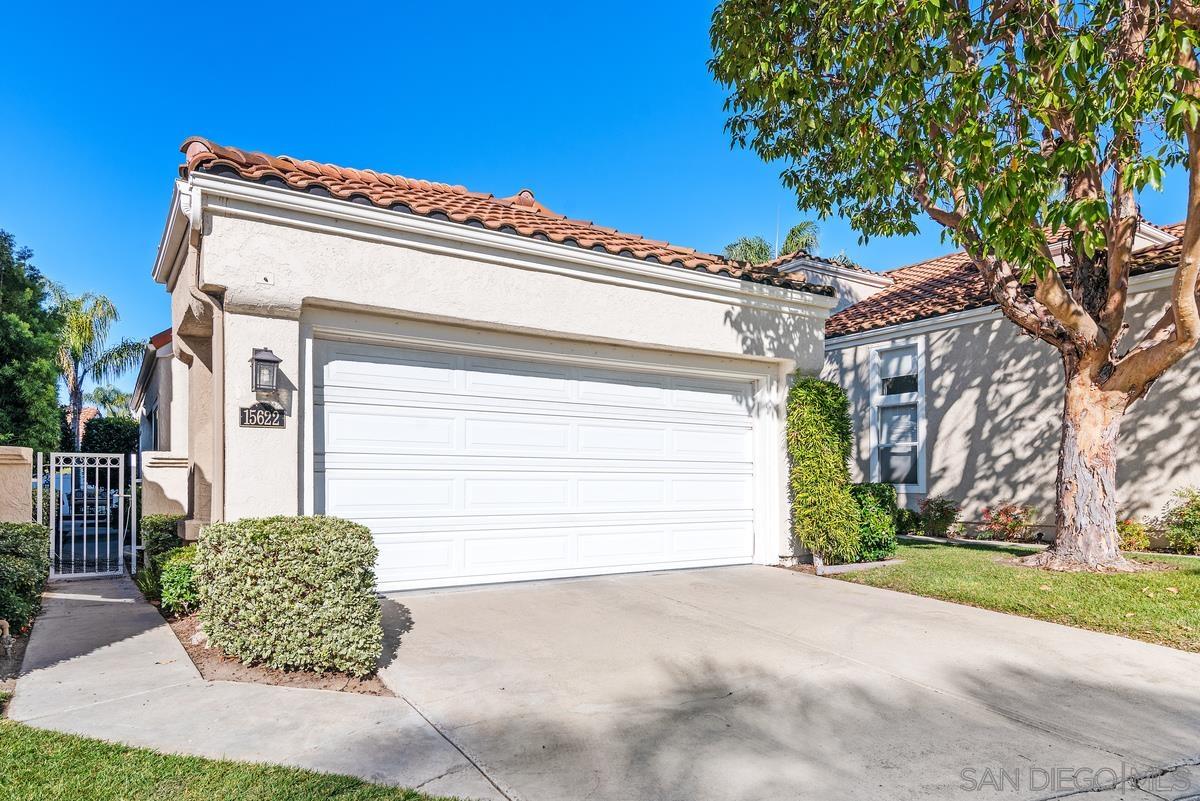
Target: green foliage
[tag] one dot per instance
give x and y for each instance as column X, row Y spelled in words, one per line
column 158, row 535
column 756, row 250
column 177, row 579
column 110, row 435
column 28, row 375
column 291, row 592
column 1181, row 521
column 753, row 249
column 877, row 526
column 24, row 567
column 880, row 110
column 1008, row 521
column 111, row 401
column 907, row 521
column 938, row 514
column 83, row 350
column 825, row 518
column 1134, row 535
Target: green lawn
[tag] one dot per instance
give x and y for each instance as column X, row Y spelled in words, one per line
column 1161, row 607
column 38, row 765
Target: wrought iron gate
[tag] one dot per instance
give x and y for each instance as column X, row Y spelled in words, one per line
column 91, row 513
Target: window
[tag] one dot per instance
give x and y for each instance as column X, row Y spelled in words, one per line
column 898, row 416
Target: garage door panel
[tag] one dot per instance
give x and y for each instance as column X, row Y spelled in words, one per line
column 350, row 429
column 505, row 434
column 470, row 468
column 380, row 368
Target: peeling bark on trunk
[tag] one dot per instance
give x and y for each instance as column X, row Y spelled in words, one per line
column 1086, row 504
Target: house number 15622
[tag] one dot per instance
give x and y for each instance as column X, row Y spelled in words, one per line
column 260, row 417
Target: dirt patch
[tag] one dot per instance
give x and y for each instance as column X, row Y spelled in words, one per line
column 1132, row 565
column 10, row 667
column 216, row 666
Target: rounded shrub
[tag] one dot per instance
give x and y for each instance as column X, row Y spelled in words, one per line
column 24, row 567
column 1134, row 535
column 939, row 514
column 291, row 593
column 877, row 526
column 907, row 521
column 825, row 518
column 177, row 580
column 1181, row 521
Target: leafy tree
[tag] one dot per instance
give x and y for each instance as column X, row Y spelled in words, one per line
column 1000, row 121
column 84, row 352
column 111, row 402
column 116, row 434
column 28, row 329
column 756, row 250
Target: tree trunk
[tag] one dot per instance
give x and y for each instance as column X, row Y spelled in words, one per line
column 1086, row 503
column 76, row 418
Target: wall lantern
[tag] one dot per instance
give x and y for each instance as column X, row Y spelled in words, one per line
column 264, row 373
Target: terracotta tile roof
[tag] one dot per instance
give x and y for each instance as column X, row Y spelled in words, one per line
column 787, row 258
column 160, row 339
column 949, row 284
column 519, row 214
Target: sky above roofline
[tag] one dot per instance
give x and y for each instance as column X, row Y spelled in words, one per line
column 610, row 117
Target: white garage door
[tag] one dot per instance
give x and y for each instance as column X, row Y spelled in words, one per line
column 471, row 469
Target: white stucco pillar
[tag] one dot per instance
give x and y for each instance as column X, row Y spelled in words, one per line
column 261, row 464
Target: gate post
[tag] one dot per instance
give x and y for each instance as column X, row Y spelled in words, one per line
column 16, row 488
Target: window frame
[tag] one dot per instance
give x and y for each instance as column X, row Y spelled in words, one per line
column 880, row 401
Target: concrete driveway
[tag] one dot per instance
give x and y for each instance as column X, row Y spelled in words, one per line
column 747, row 683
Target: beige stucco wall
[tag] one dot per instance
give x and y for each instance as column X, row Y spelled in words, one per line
column 992, row 414
column 278, row 280
column 16, row 484
column 166, row 392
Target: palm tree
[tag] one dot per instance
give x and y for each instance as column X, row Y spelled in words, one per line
column 804, row 235
column 83, row 350
column 753, row 249
column 111, row 401
column 756, row 250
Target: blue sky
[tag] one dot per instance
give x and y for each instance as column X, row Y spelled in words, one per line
column 607, row 113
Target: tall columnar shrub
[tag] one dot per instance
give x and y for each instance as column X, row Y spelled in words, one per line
column 877, row 526
column 177, row 579
column 158, row 534
column 825, row 518
column 291, row 592
column 24, row 567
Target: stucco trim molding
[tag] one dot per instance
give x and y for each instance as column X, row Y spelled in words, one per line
column 238, row 198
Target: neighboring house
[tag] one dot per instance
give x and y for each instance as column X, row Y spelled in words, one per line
column 497, row 391
column 157, row 394
column 950, row 398
column 86, row 415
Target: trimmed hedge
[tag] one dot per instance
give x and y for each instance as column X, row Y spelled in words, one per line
column 825, row 518
column 291, row 593
column 877, row 526
column 177, row 579
column 158, row 536
column 24, row 568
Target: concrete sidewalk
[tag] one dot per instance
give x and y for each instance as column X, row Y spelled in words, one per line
column 103, row 663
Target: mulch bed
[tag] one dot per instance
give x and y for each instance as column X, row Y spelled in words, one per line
column 216, row 666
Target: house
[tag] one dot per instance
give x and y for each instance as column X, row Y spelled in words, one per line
column 498, row 391
column 949, row 398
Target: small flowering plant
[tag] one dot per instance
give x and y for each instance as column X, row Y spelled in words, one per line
column 1008, row 521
